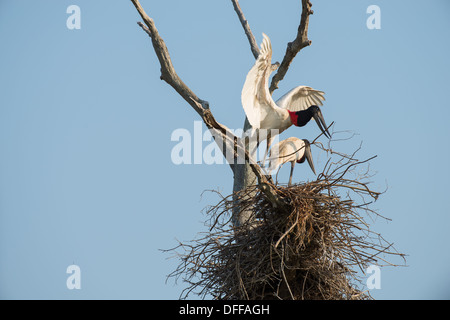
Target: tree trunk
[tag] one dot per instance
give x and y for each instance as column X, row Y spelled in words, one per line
column 243, row 178
column 246, row 174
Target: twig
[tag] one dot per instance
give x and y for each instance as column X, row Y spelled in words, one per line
column 314, row 251
column 169, row 75
column 246, row 26
column 301, row 41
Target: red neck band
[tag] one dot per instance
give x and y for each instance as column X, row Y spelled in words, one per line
column 294, row 117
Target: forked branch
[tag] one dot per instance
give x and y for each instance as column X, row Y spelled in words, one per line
column 169, row 75
column 301, row 40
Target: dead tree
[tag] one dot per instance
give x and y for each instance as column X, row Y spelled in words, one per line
column 289, row 243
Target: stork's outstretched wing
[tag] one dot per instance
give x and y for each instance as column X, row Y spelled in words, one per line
column 255, row 97
column 301, row 98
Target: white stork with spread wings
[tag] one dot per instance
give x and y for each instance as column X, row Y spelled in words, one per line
column 296, row 107
column 293, row 150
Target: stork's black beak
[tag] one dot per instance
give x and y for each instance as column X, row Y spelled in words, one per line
column 317, row 114
column 308, row 155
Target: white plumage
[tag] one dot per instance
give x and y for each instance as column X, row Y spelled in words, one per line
column 296, row 107
column 261, row 110
column 301, row 98
column 293, row 150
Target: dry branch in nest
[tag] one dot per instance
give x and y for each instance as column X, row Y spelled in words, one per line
column 314, row 247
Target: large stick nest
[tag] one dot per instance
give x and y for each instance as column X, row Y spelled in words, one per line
column 314, row 247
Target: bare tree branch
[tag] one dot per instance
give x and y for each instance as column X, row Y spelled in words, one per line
column 243, row 175
column 169, row 75
column 294, row 47
column 246, row 26
column 301, row 41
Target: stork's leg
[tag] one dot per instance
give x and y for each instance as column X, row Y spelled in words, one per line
column 254, row 141
column 292, row 170
column 268, row 143
column 276, row 176
column 250, row 143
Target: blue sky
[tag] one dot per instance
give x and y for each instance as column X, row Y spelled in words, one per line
column 86, row 175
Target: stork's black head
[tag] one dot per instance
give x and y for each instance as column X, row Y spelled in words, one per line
column 301, row 118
